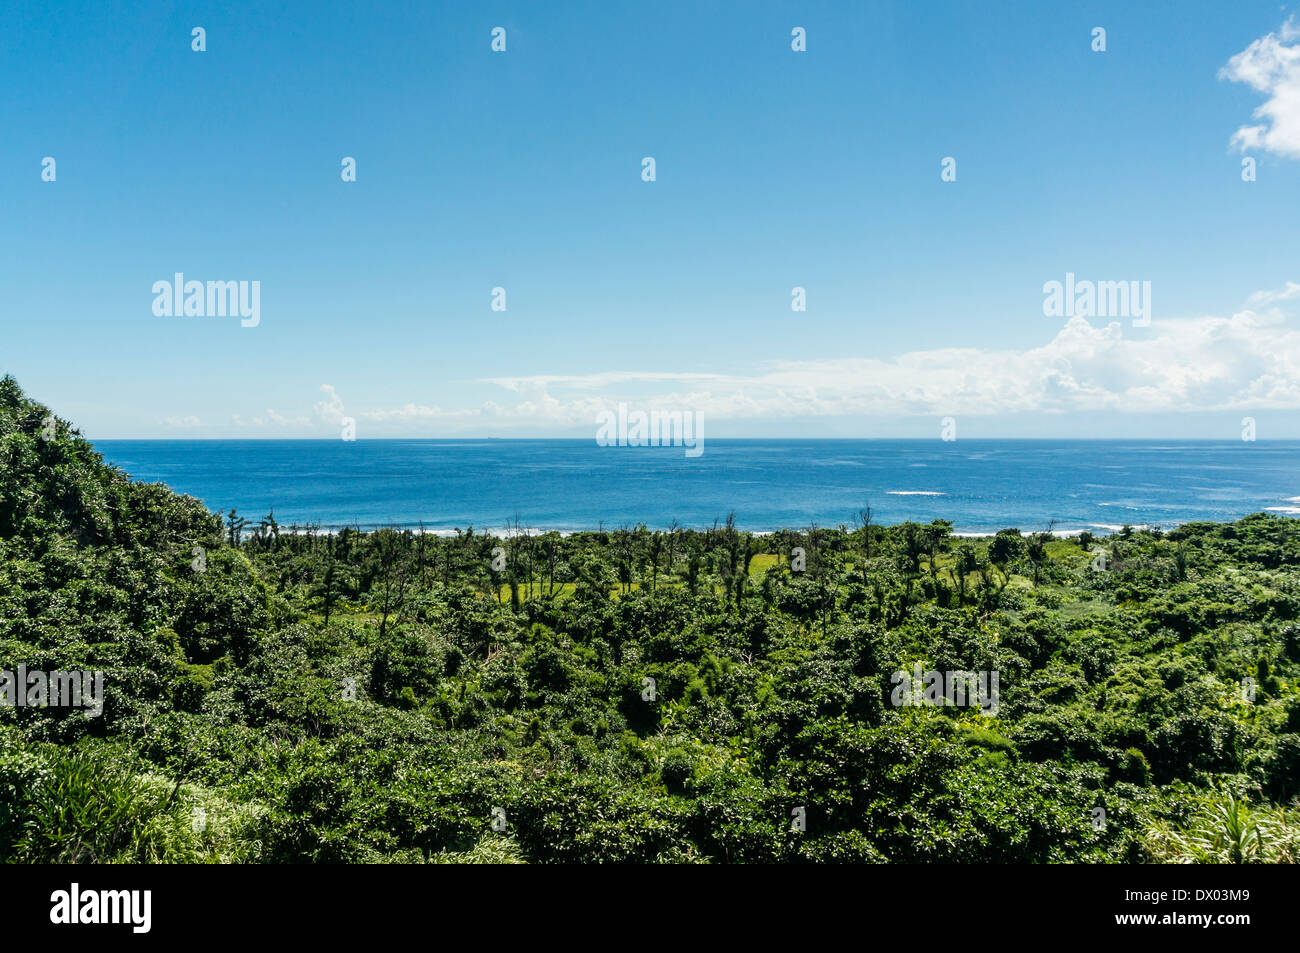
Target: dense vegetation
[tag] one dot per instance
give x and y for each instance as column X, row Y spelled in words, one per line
column 397, row 696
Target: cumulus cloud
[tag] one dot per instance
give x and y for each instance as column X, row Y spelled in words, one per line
column 1288, row 291
column 1248, row 361
column 330, row 410
column 1271, row 65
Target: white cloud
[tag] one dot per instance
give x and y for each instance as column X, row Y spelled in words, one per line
column 185, row 422
column 1288, row 291
column 1249, row 361
column 1271, row 65
column 593, row 381
column 271, row 419
column 1246, row 361
column 330, row 410
column 327, row 412
column 416, row 412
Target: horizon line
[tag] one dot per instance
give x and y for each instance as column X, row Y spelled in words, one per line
column 805, row 439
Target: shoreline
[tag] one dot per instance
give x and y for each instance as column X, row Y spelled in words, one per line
column 506, row 532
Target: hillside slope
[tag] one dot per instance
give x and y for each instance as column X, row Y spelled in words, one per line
column 630, row 695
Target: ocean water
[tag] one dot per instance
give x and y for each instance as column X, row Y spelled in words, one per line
column 981, row 485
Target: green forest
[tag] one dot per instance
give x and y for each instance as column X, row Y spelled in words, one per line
column 289, row 694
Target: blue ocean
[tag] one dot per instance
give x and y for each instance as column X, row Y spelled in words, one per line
column 981, row 485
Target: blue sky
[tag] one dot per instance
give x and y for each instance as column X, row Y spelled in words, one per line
column 775, row 169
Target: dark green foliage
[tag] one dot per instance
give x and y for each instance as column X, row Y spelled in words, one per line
column 626, row 696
